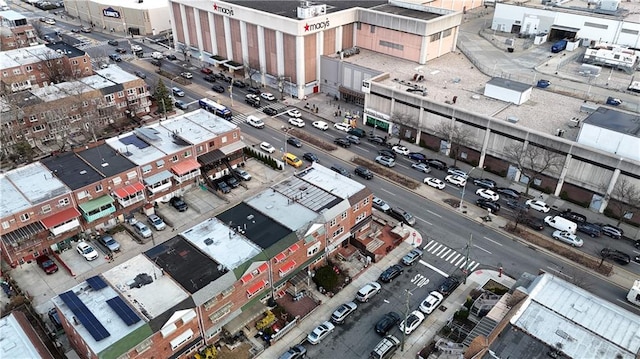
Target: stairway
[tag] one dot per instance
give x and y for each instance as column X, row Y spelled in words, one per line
column 484, row 327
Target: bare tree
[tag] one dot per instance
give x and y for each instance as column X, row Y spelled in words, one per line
column 184, row 49
column 251, row 70
column 53, row 66
column 626, row 199
column 403, row 120
column 457, row 137
column 533, row 160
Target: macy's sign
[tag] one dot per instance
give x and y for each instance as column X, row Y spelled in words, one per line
column 223, row 10
column 316, row 26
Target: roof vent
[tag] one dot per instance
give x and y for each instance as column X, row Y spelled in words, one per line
column 208, row 241
column 83, row 172
column 106, row 164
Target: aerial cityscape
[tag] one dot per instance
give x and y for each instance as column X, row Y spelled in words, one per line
column 377, row 179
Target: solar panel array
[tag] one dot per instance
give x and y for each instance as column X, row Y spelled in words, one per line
column 134, row 140
column 84, row 315
column 123, row 310
column 96, row 283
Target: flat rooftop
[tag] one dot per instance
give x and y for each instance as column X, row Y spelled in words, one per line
column 221, row 243
column 289, row 8
column 165, row 140
column 61, row 90
column 194, row 132
column 259, row 228
column 145, row 299
column 136, row 147
column 26, row 55
column 116, row 74
column 15, row 342
column 11, row 200
column 280, row 208
column 401, row 11
column 514, row 343
column 185, row 263
column 106, row 160
column 627, row 10
column 66, row 49
column 37, row 183
column 207, row 120
column 614, row 120
column 296, row 189
column 71, row 170
column 329, row 181
column 12, row 15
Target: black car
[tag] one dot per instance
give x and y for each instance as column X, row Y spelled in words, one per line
column 484, row 183
column 239, row 84
column 363, row 172
column 220, row 76
column 517, row 206
column 55, row 319
column 616, row 255
column 341, row 170
column 113, row 42
column 488, row 205
column 437, row 164
column 209, row 78
column 377, row 140
column 115, row 57
column 120, row 50
column 343, row 142
column 294, row 142
column 590, row 229
column 418, row 157
column 270, row 111
column 140, row 74
column 311, row 157
column 390, row 273
column 218, row 88
column 155, row 62
column 233, row 182
column 387, row 323
column 534, row 223
column 449, row 285
column 508, row 192
column 178, row 204
column 172, row 57
column 254, row 90
column 573, row 216
column 387, row 153
column 223, row 187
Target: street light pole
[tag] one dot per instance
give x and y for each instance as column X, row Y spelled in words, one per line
column 465, row 187
column 406, row 316
column 466, row 261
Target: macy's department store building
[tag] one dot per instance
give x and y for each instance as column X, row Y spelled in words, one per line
column 296, row 47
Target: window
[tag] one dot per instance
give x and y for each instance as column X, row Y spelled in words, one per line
column 199, row 149
column 447, row 32
column 187, row 154
column 221, row 312
column 46, row 208
column 210, row 303
column 99, row 188
column 24, row 217
column 338, row 232
column 361, row 217
column 131, row 175
column 356, row 207
column 16, row 71
column 109, row 98
column 224, row 139
column 333, row 222
column 33, row 118
column 63, row 202
column 174, row 158
column 435, row 37
column 5, row 225
column 313, row 249
column 28, row 68
column 116, row 180
column 85, row 103
column 75, row 62
column 366, row 201
column 373, row 29
column 83, row 194
column 144, row 346
column 227, row 292
column 343, row 215
column 120, row 94
column 39, row 128
column 235, row 135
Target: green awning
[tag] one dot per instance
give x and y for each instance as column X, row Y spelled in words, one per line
column 96, row 203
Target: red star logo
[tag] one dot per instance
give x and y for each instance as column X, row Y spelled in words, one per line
column 306, row 27
column 215, row 7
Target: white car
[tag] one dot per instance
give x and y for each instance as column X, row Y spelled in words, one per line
column 488, row 194
column 432, row 302
column 456, row 180
column 400, row 150
column 49, row 21
column 422, row 167
column 156, row 222
column 267, row 96
column 538, row 205
column 380, row 205
column 342, row 126
column 294, row 113
column 266, row 147
column 369, row 290
column 457, row 172
column 296, row 122
column 434, row 182
column 320, row 332
column 413, row 321
column 186, row 75
column 136, row 48
column 87, row 251
column 568, row 238
column 320, row 125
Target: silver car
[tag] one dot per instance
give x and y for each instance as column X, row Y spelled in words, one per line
column 156, row 222
column 142, row 229
column 386, row 161
column 340, row 314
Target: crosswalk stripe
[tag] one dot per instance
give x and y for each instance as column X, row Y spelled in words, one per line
column 451, row 255
column 455, row 258
column 442, row 250
column 449, row 250
column 471, row 269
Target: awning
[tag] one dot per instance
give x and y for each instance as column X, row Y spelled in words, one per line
column 263, row 267
column 564, row 28
column 247, row 316
column 288, row 266
column 256, row 287
column 211, row 157
column 96, row 203
column 233, row 147
column 246, row 278
column 61, row 217
column 23, row 233
column 185, row 167
column 294, row 248
column 129, row 190
column 348, row 91
column 280, row 257
column 158, row 177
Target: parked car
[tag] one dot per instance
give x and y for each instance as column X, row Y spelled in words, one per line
column 295, row 352
column 449, row 285
column 343, row 142
column 320, row 332
column 209, row 78
column 239, row 84
column 488, row 194
column 363, row 172
column 368, row 291
column 341, row 170
column 508, row 192
column 206, row 71
column 171, row 57
column 110, row 243
column 233, row 182
column 310, row 156
column 358, row 132
column 342, row 126
column 613, row 101
column 422, row 167
column 437, row 164
column 120, row 50
column 380, row 205
column 431, row 302
column 177, row 91
column 400, row 150
column 377, row 140
column 47, row 264
column 178, row 203
column 298, row 122
column 573, row 216
column 590, row 229
column 417, row 156
column 387, row 322
column 244, row 175
column 156, row 222
column 537, row 205
column 615, row 255
column 218, row 88
column 321, row 125
column 135, row 48
column 402, row 215
column 342, row 312
column 353, row 139
column 412, row 257
column 435, row 183
column 294, row 113
column 568, row 238
column 186, row 74
column 294, row 142
column 223, row 187
column 115, row 57
column 267, row 96
column 517, row 206
column 55, row 319
column 611, row 231
column 484, row 183
column 387, row 153
column 86, row 30
column 266, row 147
column 140, row 74
column 181, row 105
column 386, row 161
column 456, row 180
column 488, row 205
column 412, row 323
column 457, row 172
column 87, row 251
column 390, row 273
column 113, row 42
column 534, row 223
column 270, row 111
column 142, row 229
column 155, row 62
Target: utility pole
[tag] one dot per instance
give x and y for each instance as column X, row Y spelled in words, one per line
column 466, row 270
column 406, row 316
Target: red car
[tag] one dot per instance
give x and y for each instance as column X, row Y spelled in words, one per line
column 47, row 264
column 206, row 70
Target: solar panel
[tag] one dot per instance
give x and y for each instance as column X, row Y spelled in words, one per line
column 96, row 283
column 123, row 310
column 84, row 315
column 134, row 140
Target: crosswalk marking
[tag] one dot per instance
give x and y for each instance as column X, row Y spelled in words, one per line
column 449, row 255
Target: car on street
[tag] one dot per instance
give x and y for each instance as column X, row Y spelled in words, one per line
column 293, row 112
column 87, row 251
column 342, row 312
column 437, row 164
column 341, row 126
column 341, row 170
column 171, row 57
column 110, row 243
column 449, row 285
column 298, row 122
column 267, row 96
column 270, row 111
column 534, row 223
column 87, row 30
column 113, row 42
column 342, row 142
column 386, row 161
column 390, row 273
column 140, row 74
column 177, row 91
column 380, row 205
column 488, row 194
column 613, row 101
column 412, row 323
column 417, row 156
column 155, row 62
column 363, row 172
column 537, row 205
column 387, row 322
column 616, row 255
column 178, row 203
column 378, row 140
column 295, row 352
column 115, row 57
column 320, row 332
column 590, row 229
column 422, row 167
column 209, row 78
column 403, row 216
column 121, row 50
column 484, row 183
column 244, row 175
column 610, row 231
column 206, row 71
column 353, row 139
column 543, row 84
column 457, row 172
column 142, row 229
column 488, row 205
column 49, row 21
column 218, row 88
column 401, row 150
column 267, row 147
column 321, row 125
column 508, row 192
column 310, row 156
column 456, row 180
column 431, row 302
column 573, row 216
column 186, row 75
column 181, row 105
column 47, row 264
column 516, row 205
column 387, row 153
column 435, row 183
column 239, row 84
column 295, row 142
column 156, row 222
column 568, row 238
column 412, row 257
column 368, row 291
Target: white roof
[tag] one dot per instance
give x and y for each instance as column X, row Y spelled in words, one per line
column 116, row 74
column 12, row 15
column 210, row 121
column 137, row 150
column 192, row 131
column 15, row 342
column 55, row 92
column 96, row 81
column 586, row 325
column 118, row 4
column 165, row 140
column 37, row 183
column 227, row 247
column 145, row 299
column 26, row 55
column 11, row 201
column 279, row 208
column 331, row 181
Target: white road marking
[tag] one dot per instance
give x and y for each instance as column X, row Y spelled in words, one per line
column 441, row 251
column 492, row 241
column 437, row 248
column 446, row 253
column 471, row 269
column 444, row 274
column 455, row 258
column 382, row 189
column 427, row 222
column 435, row 214
column 451, row 255
column 482, row 249
column 461, row 260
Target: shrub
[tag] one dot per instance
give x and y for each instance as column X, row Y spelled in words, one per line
column 327, row 278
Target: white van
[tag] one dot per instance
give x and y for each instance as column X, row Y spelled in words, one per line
column 560, row 223
column 255, row 122
column 157, row 55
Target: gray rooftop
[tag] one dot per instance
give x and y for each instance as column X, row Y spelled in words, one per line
column 12, row 15
column 106, row 160
column 280, row 207
column 66, row 49
column 116, row 75
column 26, row 55
column 402, row 11
column 509, row 84
column 195, row 132
column 15, row 342
column 614, row 120
column 37, row 183
column 71, row 170
column 328, row 180
column 209, row 121
column 289, row 8
column 11, row 201
column 55, row 92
